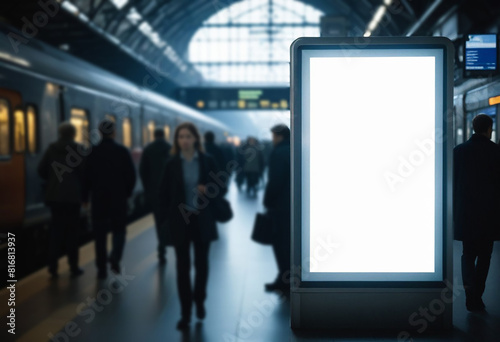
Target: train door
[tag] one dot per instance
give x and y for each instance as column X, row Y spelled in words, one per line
column 12, row 164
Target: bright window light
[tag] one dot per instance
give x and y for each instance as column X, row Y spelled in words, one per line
column 249, row 42
column 133, row 16
column 119, row 3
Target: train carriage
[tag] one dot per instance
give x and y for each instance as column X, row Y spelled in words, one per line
column 40, row 87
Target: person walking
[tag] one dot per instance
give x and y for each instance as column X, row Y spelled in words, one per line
column 109, row 181
column 62, row 168
column 185, row 204
column 476, row 185
column 277, row 203
column 153, row 160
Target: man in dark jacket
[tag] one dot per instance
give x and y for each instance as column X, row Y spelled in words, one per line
column 151, row 170
column 62, row 168
column 215, row 151
column 110, row 179
column 254, row 165
column 475, row 205
column 277, row 203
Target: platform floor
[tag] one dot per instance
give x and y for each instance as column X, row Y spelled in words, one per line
column 142, row 304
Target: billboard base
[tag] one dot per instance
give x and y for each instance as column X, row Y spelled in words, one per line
column 404, row 310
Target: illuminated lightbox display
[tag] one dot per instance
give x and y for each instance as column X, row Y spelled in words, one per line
column 372, row 164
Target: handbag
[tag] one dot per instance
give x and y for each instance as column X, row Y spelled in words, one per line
column 263, row 229
column 221, row 210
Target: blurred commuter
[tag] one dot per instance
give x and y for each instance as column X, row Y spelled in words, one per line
column 214, row 150
column 109, row 179
column 277, row 203
column 151, row 167
column 240, row 160
column 229, row 156
column 217, row 153
column 185, row 202
column 476, row 189
column 254, row 166
column 62, row 168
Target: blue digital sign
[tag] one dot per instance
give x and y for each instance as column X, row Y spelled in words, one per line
column 481, row 52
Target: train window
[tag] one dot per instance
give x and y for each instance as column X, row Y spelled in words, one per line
column 127, row 133
column 167, row 132
column 19, row 131
column 110, row 117
column 31, row 121
column 79, row 119
column 4, row 128
column 151, row 131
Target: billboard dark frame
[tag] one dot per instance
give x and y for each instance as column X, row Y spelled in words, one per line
column 296, row 123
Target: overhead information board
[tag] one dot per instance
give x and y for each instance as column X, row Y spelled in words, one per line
column 258, row 98
column 481, row 52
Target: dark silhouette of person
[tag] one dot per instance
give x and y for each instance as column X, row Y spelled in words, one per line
column 240, row 160
column 151, row 167
column 277, row 203
column 253, row 166
column 229, row 156
column 62, row 168
column 476, row 186
column 217, row 153
column 185, row 201
column 109, row 181
column 214, row 150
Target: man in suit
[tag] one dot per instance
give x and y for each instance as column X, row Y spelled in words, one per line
column 476, row 186
column 277, row 203
column 109, row 182
column 151, row 167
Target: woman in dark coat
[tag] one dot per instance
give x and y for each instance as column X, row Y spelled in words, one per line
column 186, row 196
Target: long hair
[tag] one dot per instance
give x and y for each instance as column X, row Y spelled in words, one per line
column 193, row 130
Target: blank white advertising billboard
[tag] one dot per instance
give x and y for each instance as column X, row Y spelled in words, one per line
column 372, row 164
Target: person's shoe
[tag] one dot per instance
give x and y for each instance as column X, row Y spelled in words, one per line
column 481, row 304
column 183, row 324
column 474, row 305
column 200, row 311
column 276, row 286
column 102, row 275
column 114, row 266
column 76, row 272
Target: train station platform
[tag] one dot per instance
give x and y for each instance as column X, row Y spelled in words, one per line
column 141, row 304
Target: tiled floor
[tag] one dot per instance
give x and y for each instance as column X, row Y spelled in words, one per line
column 142, row 303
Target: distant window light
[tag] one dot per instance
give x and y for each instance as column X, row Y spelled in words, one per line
column 4, row 128
column 110, row 117
column 133, row 16
column 79, row 119
column 32, row 129
column 127, row 133
column 19, row 131
column 166, row 129
column 249, row 41
column 119, row 3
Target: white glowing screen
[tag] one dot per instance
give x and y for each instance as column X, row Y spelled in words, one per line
column 369, row 165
